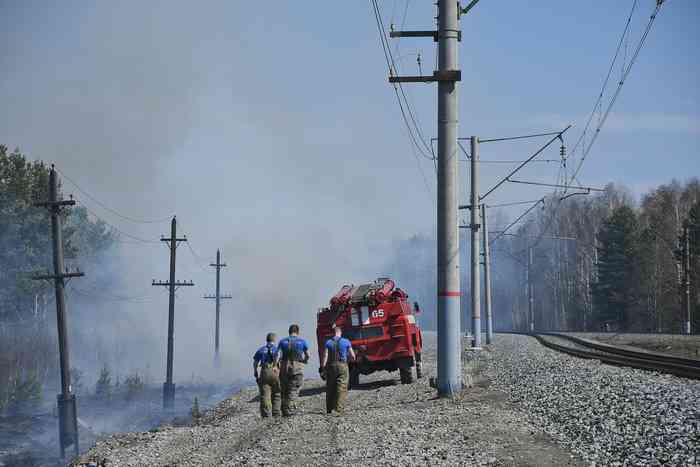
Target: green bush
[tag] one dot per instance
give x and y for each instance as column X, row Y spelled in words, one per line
column 134, row 385
column 195, row 412
column 22, row 391
column 103, row 387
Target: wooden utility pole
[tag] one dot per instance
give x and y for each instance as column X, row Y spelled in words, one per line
column 218, row 297
column 173, row 241
column 67, row 409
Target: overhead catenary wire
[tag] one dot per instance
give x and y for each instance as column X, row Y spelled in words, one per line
column 625, row 73
column 521, row 216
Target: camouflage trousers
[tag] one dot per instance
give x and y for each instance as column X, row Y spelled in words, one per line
column 270, row 392
column 337, row 375
column 291, row 379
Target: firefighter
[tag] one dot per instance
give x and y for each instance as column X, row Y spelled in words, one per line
column 294, row 354
column 269, row 378
column 334, row 369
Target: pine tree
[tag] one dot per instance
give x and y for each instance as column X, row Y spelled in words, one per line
column 615, row 293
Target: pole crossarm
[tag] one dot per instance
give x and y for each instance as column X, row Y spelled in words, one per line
column 58, row 276
column 438, row 75
column 220, row 296
column 53, row 204
column 525, row 162
column 555, row 185
column 433, row 34
column 177, row 284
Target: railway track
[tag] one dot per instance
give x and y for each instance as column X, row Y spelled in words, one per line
column 613, row 355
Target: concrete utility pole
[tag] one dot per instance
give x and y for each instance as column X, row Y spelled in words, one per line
column 173, row 241
column 67, row 407
column 686, row 276
column 487, row 275
column 475, row 257
column 449, row 378
column 218, row 297
column 530, row 291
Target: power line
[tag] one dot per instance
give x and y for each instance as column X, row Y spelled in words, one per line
column 625, row 73
column 117, row 229
column 198, row 259
column 107, row 208
column 406, row 112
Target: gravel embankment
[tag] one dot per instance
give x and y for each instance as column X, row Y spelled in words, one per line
column 386, row 424
column 608, row 415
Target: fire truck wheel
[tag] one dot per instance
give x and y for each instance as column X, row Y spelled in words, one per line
column 354, row 379
column 419, row 366
column 406, row 375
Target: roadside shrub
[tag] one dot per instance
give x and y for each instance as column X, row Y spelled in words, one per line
column 134, row 385
column 22, row 392
column 103, row 387
column 195, row 412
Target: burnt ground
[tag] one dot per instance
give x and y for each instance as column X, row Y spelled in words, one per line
column 386, row 424
column 30, row 437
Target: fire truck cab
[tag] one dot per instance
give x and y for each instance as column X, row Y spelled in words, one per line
column 381, row 324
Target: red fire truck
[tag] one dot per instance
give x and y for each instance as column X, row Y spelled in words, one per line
column 380, row 323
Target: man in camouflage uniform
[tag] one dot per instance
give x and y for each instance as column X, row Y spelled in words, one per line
column 269, row 379
column 294, row 354
column 334, row 368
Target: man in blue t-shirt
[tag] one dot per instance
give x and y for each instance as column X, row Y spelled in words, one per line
column 335, row 368
column 294, row 354
column 268, row 380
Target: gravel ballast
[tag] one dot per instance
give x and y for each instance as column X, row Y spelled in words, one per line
column 528, row 405
column 386, row 423
column 608, row 415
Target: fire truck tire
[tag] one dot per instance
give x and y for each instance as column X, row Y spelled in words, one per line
column 406, row 375
column 419, row 370
column 419, row 366
column 354, row 379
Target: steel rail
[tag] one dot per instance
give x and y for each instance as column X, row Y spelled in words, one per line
column 678, row 366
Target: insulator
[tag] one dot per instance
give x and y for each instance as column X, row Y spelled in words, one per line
column 562, row 151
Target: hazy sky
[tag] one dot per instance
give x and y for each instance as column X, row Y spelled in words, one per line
column 270, row 130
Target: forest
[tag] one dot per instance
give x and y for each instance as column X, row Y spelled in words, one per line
column 602, row 262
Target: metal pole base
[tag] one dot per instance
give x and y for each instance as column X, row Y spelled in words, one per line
column 67, row 423
column 217, row 361
column 168, row 395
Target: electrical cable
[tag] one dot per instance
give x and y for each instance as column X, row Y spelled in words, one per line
column 406, row 112
column 527, row 211
column 117, row 229
column 107, row 208
column 197, row 259
column 623, row 79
